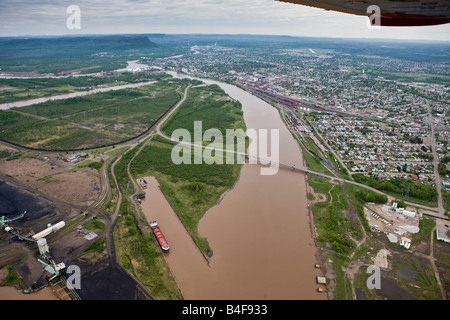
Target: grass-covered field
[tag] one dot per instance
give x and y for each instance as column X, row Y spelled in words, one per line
column 331, row 222
column 211, row 106
column 89, row 121
column 139, row 254
column 31, row 88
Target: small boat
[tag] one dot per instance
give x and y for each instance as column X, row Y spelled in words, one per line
column 159, row 236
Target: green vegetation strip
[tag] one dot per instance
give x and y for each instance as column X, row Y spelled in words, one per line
column 93, row 121
column 402, row 189
column 192, row 189
column 136, row 248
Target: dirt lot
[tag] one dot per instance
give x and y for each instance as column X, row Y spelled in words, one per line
column 25, row 169
column 55, row 177
column 29, row 168
column 79, row 187
column 381, row 259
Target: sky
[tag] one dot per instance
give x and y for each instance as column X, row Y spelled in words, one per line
column 18, row 17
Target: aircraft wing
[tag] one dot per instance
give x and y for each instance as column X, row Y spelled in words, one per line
column 392, row 12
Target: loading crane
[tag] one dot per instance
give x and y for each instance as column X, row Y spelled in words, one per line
column 52, row 268
column 4, row 224
column 5, row 220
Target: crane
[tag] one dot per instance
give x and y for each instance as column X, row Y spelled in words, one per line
column 52, row 268
column 5, row 220
column 4, row 224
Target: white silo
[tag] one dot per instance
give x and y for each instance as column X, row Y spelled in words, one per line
column 43, row 246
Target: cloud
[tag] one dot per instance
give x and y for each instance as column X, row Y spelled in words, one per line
column 195, row 16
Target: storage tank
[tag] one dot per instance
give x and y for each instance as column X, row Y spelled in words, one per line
column 43, row 246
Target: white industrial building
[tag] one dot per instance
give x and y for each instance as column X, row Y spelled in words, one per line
column 443, row 234
column 406, row 213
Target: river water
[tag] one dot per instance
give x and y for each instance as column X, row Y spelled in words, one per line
column 260, row 232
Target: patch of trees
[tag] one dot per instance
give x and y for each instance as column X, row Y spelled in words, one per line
column 369, row 196
column 416, row 139
column 399, row 186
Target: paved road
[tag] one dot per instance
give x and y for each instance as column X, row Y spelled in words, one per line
column 163, row 120
column 435, row 160
column 432, row 211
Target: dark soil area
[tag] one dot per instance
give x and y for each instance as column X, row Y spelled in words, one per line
column 39, row 212
column 102, row 281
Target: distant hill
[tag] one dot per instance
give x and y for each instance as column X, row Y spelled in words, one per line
column 55, row 46
column 56, row 54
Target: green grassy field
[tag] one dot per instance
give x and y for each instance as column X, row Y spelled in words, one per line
column 89, row 121
column 23, row 89
column 212, row 107
column 190, row 189
column 139, row 254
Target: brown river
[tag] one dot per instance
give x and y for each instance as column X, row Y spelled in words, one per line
column 260, row 231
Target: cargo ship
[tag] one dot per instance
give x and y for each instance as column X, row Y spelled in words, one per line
column 159, row 236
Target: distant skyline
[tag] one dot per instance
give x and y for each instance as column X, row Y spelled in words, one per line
column 264, row 17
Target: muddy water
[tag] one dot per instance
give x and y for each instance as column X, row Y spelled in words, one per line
column 260, row 232
column 187, row 264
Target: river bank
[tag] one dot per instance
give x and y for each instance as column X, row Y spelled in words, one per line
column 260, row 231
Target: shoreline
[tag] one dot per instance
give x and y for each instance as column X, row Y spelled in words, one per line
column 317, row 255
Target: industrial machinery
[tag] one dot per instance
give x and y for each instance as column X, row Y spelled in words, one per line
column 4, row 224
column 53, row 268
column 50, row 266
column 4, row 221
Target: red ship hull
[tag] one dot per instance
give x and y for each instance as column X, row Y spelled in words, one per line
column 159, row 236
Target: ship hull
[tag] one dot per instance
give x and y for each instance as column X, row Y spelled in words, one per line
column 159, row 237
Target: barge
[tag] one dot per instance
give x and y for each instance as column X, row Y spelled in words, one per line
column 159, row 236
